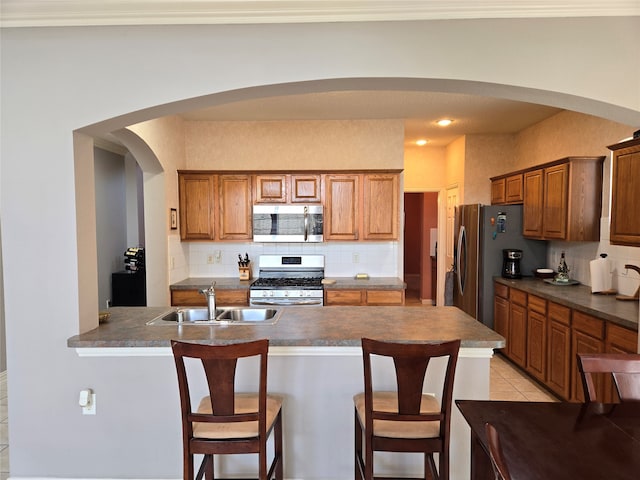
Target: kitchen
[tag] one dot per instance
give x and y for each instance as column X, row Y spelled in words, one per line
column 52, row 263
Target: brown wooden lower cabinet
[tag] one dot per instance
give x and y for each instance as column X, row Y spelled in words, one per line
column 559, row 350
column 545, row 337
column 536, row 337
column 587, row 336
column 517, row 341
column 363, row 297
column 225, row 298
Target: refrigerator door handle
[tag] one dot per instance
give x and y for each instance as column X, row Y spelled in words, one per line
column 460, row 257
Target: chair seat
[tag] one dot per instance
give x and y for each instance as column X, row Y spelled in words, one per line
column 244, row 403
column 388, row 402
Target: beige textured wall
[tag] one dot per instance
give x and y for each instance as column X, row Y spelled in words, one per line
column 295, row 145
column 486, row 156
column 567, row 134
column 424, row 168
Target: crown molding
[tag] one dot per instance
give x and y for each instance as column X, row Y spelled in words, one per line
column 36, row 13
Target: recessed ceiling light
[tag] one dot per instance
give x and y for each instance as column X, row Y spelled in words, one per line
column 445, row 122
column 421, row 142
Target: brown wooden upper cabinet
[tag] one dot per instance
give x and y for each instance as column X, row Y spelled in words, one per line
column 215, row 207
column 507, row 190
column 361, row 206
column 625, row 193
column 342, row 207
column 380, row 202
column 563, row 200
column 235, row 207
column 198, row 198
column 281, row 188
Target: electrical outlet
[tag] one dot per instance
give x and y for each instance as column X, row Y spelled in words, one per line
column 210, row 259
column 356, row 258
column 108, row 303
column 218, row 256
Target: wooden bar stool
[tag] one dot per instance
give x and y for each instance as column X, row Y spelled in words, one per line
column 225, row 421
column 405, row 420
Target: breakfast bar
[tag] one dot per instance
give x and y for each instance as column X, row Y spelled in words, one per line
column 315, row 361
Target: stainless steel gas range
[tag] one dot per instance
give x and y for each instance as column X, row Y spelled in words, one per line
column 288, row 280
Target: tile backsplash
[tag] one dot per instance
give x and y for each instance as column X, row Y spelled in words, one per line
column 579, row 254
column 200, row 259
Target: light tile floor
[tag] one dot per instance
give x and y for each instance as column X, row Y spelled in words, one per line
column 4, row 430
column 507, row 383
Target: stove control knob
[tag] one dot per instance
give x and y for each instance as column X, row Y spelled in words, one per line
column 286, row 293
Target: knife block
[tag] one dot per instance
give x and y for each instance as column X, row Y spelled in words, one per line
column 245, row 273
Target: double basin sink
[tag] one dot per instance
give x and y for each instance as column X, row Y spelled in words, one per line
column 224, row 316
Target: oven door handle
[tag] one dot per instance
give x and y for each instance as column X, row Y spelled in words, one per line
column 285, row 303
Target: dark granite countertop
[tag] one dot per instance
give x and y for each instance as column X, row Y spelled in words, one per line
column 380, row 283
column 223, row 283
column 298, row 326
column 233, row 283
column 579, row 297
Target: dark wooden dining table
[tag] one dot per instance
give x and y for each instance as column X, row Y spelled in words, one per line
column 563, row 441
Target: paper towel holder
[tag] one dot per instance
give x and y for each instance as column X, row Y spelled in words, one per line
column 635, row 296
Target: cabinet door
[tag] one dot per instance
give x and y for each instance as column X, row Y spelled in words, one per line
column 498, row 191
column 533, row 204
column 554, row 222
column 559, row 350
column 342, row 207
column 380, row 202
column 625, row 194
column 583, row 343
column 501, row 318
column 271, row 188
column 558, row 359
column 235, row 207
column 305, row 189
column 197, row 192
column 518, row 334
column 537, row 345
column 514, row 189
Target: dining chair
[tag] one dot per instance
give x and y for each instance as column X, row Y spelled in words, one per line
column 623, row 367
column 498, row 463
column 227, row 421
column 405, row 419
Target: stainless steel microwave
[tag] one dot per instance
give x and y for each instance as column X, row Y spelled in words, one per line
column 287, row 223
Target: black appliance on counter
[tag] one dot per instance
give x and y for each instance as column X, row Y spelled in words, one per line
column 511, row 263
column 482, row 233
column 129, row 288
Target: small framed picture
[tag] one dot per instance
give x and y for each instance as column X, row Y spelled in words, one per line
column 174, row 219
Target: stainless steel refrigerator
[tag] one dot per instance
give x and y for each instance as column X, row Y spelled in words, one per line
column 481, row 233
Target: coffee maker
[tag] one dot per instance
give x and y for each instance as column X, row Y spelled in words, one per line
column 511, row 263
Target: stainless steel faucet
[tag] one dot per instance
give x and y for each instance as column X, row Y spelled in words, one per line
column 210, row 293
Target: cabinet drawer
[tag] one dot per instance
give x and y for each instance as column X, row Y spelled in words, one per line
column 188, row 298
column 385, row 297
column 537, row 304
column 620, row 338
column 501, row 290
column 587, row 324
column 343, row 297
column 559, row 313
column 519, row 297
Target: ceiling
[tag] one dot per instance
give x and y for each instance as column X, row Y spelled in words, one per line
column 471, row 114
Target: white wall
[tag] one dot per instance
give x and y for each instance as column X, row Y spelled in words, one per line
column 55, row 81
